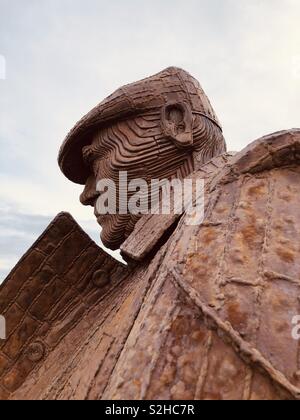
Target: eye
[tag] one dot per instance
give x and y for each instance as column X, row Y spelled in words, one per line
column 88, row 155
column 175, row 114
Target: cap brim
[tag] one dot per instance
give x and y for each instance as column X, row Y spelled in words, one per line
column 143, row 96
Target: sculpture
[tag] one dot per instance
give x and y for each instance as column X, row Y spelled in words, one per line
column 199, row 312
column 159, row 128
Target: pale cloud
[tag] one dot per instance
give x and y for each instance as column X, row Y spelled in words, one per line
column 63, row 56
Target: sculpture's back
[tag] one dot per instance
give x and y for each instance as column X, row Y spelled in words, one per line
column 218, row 321
column 200, row 312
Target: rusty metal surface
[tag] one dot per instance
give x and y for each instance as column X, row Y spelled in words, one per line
column 158, row 128
column 210, row 316
column 244, row 260
column 45, row 298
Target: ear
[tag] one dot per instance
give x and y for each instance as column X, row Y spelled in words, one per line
column 177, row 123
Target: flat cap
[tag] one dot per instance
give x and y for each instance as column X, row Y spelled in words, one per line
column 170, row 85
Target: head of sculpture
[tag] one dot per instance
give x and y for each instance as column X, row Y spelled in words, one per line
column 162, row 127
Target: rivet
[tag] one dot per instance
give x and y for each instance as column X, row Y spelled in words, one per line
column 36, row 352
column 101, row 278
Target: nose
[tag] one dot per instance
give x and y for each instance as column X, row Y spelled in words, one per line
column 89, row 194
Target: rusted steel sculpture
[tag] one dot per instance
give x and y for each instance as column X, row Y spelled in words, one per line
column 200, row 312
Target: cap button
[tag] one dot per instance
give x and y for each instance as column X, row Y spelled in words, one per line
column 101, row 278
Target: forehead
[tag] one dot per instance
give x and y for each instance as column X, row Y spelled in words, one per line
column 142, row 126
column 134, row 131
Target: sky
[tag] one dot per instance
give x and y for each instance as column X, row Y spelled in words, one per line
column 59, row 58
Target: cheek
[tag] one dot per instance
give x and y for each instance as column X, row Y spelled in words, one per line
column 132, row 170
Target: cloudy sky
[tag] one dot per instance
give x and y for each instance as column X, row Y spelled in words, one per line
column 64, row 56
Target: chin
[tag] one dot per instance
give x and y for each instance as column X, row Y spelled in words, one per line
column 109, row 241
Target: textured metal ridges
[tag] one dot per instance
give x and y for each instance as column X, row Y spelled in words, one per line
column 82, row 364
column 222, row 328
column 210, row 317
column 175, row 353
column 46, row 295
column 170, row 85
column 150, row 228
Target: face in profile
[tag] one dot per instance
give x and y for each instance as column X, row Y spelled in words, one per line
column 157, row 146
